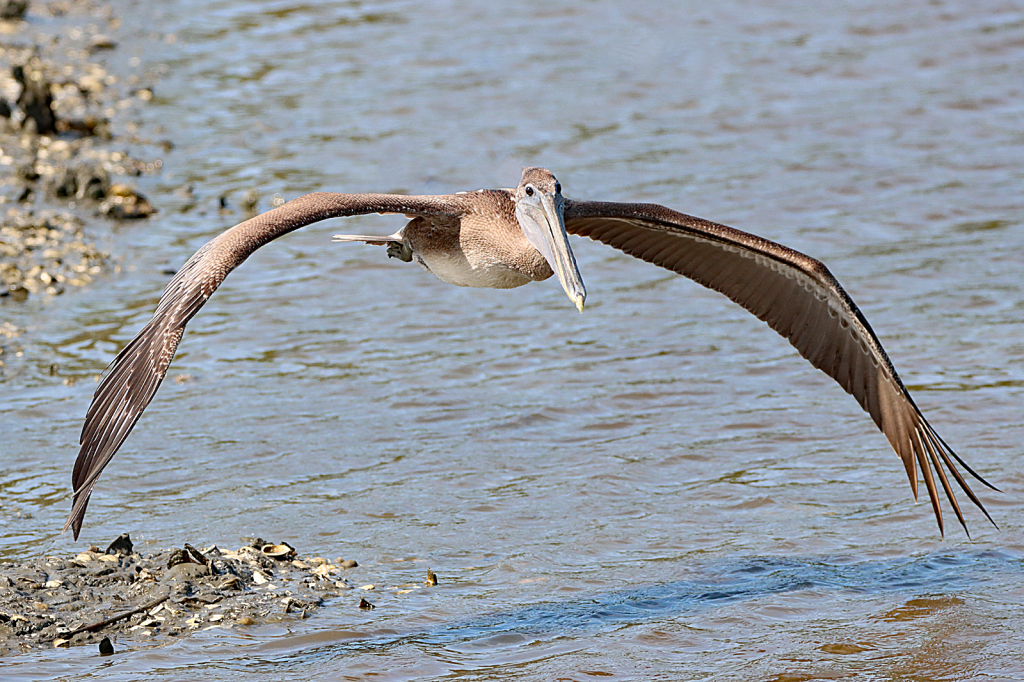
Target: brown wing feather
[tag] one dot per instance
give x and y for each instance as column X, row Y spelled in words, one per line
column 134, row 376
column 800, row 299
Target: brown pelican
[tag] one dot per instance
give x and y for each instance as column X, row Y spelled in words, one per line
column 506, row 238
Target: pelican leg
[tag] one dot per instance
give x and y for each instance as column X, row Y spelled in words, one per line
column 400, row 250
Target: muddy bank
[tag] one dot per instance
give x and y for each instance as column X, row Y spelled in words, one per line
column 65, row 132
column 82, row 599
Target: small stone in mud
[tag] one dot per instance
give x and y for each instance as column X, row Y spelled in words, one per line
column 250, row 202
column 124, row 203
column 106, row 648
column 16, row 292
column 186, row 571
column 101, row 42
column 363, row 604
column 347, row 563
column 431, row 579
column 232, row 583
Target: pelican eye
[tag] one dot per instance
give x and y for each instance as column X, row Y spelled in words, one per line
column 529, row 191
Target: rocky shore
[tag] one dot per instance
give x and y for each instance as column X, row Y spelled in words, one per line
column 65, row 167
column 98, row 595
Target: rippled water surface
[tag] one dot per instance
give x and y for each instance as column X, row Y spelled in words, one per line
column 659, row 488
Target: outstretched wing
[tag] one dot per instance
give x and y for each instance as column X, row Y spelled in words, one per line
column 133, row 377
column 800, row 299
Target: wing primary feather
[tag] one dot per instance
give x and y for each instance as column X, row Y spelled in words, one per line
column 925, row 444
column 929, row 479
column 801, row 300
column 132, row 379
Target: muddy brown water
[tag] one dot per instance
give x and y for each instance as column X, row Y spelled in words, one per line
column 656, row 489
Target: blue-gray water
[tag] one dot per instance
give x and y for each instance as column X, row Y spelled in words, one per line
column 659, row 488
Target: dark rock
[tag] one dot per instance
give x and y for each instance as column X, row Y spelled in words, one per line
column 363, row 604
column 63, row 183
column 13, row 9
column 28, row 172
column 121, row 546
column 101, row 42
column 106, row 648
column 5, row 108
column 187, row 555
column 93, row 182
column 36, row 99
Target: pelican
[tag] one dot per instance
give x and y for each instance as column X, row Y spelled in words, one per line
column 506, row 238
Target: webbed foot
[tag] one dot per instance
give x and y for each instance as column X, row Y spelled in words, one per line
column 400, row 250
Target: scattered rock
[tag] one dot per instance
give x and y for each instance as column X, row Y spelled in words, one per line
column 56, row 169
column 44, row 253
column 363, row 604
column 122, row 545
column 36, row 98
column 125, row 203
column 431, row 580
column 13, row 9
column 91, row 596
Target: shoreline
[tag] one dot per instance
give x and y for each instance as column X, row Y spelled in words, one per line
column 65, row 173
column 97, row 595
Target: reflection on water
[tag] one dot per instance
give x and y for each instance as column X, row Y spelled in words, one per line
column 584, row 485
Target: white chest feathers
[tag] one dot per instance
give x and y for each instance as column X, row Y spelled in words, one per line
column 455, row 268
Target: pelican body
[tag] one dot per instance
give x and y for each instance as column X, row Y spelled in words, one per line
column 510, row 237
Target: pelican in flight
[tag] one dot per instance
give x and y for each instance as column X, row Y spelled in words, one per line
column 505, row 238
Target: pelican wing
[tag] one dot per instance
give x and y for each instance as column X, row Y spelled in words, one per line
column 800, row 299
column 133, row 377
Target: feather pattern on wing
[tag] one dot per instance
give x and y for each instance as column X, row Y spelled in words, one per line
column 134, row 376
column 799, row 298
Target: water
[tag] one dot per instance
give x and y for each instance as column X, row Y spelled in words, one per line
column 656, row 489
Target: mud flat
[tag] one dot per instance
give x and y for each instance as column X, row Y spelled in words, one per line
column 96, row 595
column 64, row 130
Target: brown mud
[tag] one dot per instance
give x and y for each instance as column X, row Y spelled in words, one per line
column 97, row 595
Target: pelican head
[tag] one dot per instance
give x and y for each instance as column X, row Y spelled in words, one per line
column 539, row 210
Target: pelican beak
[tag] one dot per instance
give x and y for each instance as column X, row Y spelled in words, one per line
column 544, row 228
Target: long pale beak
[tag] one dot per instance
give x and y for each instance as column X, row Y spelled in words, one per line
column 545, row 229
